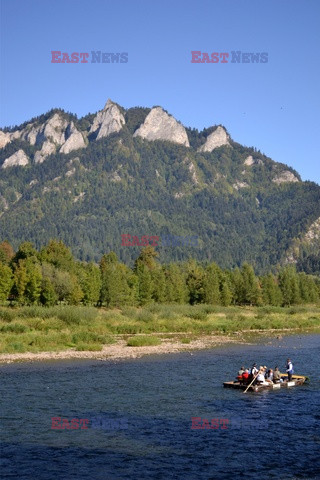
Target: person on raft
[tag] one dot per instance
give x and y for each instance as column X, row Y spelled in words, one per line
column 253, row 371
column 260, row 380
column 243, row 375
column 269, row 376
column 289, row 369
column 277, row 376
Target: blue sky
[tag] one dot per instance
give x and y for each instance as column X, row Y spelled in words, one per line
column 273, row 106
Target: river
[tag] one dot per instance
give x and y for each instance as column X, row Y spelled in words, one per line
column 138, row 417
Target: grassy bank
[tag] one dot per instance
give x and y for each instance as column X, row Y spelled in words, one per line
column 40, row 329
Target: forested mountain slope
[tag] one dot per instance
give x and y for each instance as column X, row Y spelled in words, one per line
column 140, row 172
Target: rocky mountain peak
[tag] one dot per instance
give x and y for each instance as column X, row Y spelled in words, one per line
column 54, row 129
column 216, row 139
column 159, row 125
column 108, row 104
column 107, row 121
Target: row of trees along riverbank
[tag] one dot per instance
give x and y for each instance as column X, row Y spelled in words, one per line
column 52, row 275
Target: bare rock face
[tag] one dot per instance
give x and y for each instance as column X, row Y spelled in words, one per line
column 285, row 177
column 29, row 134
column 54, row 129
column 249, row 161
column 238, row 185
column 313, row 232
column 192, row 170
column 179, row 195
column 107, row 121
column 47, row 149
column 16, row 134
column 75, row 140
column 3, row 205
column 4, row 139
column 158, row 125
column 17, row 159
column 216, row 139
column 115, row 177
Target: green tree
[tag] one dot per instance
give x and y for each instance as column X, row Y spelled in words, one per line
column 89, row 276
column 6, row 281
column 117, row 282
column 225, row 290
column 251, row 288
column 59, row 255
column 289, row 285
column 147, row 257
column 271, row 292
column 146, row 269
column 176, row 288
column 158, row 280
column 144, row 285
column 34, row 279
column 27, row 280
column 26, row 250
column 237, row 286
column 211, row 284
column 194, row 281
column 20, row 280
column 48, row 296
column 307, row 289
column 63, row 285
column 76, row 294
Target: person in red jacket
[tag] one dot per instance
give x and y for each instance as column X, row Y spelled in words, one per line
column 239, row 376
column 245, row 376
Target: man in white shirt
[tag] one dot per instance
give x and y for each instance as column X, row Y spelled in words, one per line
column 261, row 378
column 289, row 369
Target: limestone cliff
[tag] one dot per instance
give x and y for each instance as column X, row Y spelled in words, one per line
column 107, row 121
column 19, row 158
column 216, row 139
column 158, row 125
column 74, row 140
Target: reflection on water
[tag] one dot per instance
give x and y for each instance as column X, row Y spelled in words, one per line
column 269, row 435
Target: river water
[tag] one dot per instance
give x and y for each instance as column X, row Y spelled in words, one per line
column 138, row 416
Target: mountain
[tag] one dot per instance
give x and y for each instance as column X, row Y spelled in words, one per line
column 141, row 172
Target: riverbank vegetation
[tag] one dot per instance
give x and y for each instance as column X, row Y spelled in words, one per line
column 63, row 327
column 49, row 301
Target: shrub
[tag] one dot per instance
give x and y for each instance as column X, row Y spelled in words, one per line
column 144, row 316
column 88, row 337
column 14, row 328
column 15, row 347
column 6, row 315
